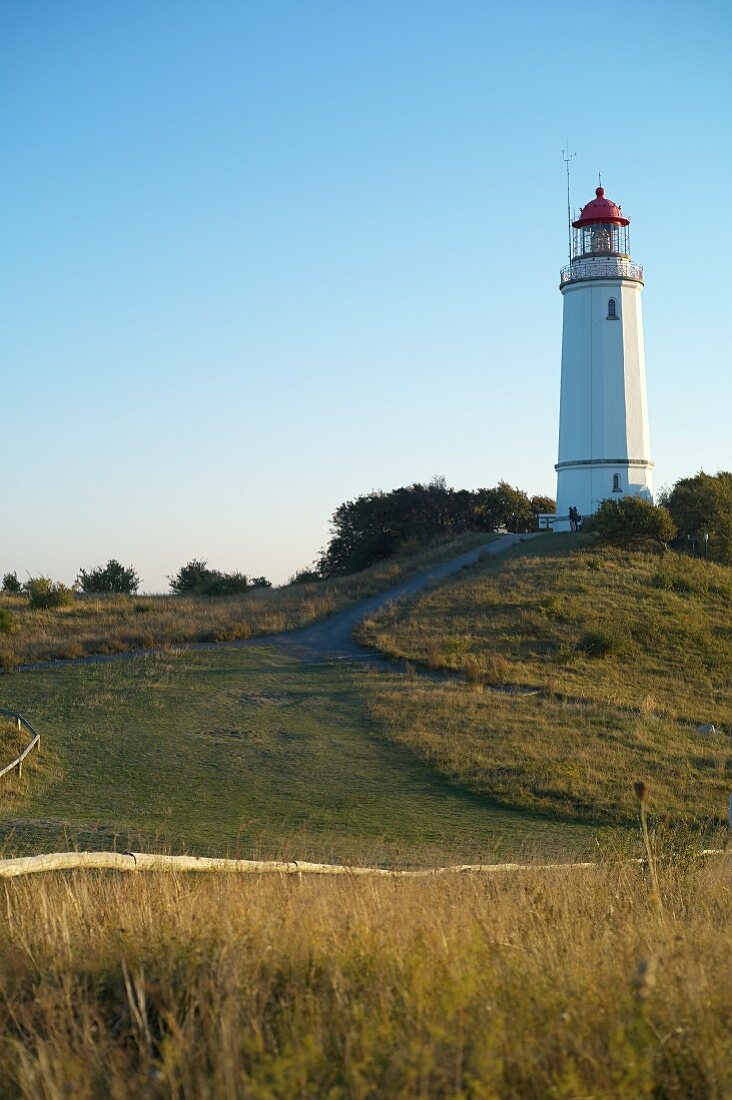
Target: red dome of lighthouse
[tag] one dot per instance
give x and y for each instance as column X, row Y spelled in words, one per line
column 600, row 210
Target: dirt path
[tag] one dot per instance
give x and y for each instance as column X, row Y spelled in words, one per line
column 332, row 638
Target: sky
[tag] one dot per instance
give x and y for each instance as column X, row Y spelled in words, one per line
column 260, row 257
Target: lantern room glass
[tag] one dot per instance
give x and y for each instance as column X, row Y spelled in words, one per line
column 601, row 239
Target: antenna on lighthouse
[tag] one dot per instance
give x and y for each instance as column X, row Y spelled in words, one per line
column 567, row 158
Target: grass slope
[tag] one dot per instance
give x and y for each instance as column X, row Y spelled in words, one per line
column 242, row 751
column 626, row 656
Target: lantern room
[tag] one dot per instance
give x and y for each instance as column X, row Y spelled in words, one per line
column 601, row 230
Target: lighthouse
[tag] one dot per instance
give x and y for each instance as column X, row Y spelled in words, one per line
column 604, row 443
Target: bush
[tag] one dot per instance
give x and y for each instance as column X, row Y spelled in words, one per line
column 44, row 594
column 305, row 576
column 196, row 579
column 6, row 621
column 11, row 584
column 632, row 521
column 111, row 577
column 702, row 505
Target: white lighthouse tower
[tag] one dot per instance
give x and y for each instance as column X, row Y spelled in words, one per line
column 604, row 444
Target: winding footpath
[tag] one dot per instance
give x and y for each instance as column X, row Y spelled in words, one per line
column 332, row 638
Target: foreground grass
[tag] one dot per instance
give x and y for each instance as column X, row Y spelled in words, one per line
column 122, row 623
column 537, row 984
column 241, row 752
column 627, row 656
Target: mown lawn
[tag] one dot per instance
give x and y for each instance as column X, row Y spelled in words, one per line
column 242, row 751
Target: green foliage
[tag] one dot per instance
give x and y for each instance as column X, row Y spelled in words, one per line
column 43, row 594
column 702, row 505
column 195, row 578
column 543, row 505
column 632, row 521
column 6, row 621
column 111, row 577
column 11, row 584
column 305, row 576
column 376, row 526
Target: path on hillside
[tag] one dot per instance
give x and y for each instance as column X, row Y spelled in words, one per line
column 325, row 639
column 332, row 638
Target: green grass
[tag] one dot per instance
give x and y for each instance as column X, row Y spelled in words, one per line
column 244, row 751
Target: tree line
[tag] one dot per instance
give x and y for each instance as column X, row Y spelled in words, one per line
column 379, row 524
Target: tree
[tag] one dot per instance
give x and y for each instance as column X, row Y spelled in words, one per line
column 11, row 584
column 376, row 526
column 543, row 506
column 702, row 505
column 632, row 521
column 190, row 577
column 111, row 577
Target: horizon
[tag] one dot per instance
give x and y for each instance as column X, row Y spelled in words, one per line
column 261, row 261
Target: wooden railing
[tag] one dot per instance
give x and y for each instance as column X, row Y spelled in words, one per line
column 35, row 742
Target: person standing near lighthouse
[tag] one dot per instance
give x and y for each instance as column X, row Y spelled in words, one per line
column 604, row 441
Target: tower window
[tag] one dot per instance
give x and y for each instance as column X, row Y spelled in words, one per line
column 616, row 477
column 612, row 310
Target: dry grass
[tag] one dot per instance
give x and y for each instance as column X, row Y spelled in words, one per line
column 628, row 656
column 613, row 627
column 122, row 623
column 537, row 984
column 573, row 762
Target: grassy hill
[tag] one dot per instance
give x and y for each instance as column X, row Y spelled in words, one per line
column 587, row 669
column 583, row 671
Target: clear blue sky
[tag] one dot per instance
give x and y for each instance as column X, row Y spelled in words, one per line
column 260, row 257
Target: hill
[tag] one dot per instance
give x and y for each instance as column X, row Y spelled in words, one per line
column 587, row 669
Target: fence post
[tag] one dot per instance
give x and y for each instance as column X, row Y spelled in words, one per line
column 18, row 723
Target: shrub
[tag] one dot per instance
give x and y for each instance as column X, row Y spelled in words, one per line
column 11, row 584
column 44, row 594
column 305, row 576
column 111, row 577
column 632, row 521
column 195, row 578
column 6, row 621
column 191, row 577
column 702, row 505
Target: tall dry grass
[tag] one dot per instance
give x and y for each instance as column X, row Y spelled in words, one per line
column 531, row 984
column 568, row 760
